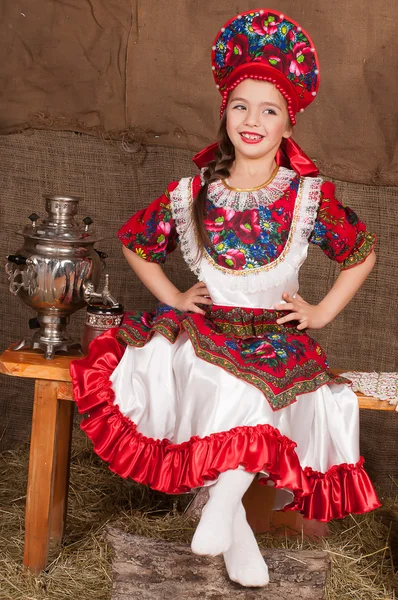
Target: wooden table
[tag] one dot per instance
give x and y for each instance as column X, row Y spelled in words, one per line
column 50, row 444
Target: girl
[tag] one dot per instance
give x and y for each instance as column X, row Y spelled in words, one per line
column 223, row 383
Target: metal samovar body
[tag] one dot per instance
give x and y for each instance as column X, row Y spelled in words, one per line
column 56, row 272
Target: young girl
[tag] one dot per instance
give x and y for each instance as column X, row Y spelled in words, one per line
column 223, row 383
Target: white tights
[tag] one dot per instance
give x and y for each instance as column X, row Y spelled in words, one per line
column 223, row 529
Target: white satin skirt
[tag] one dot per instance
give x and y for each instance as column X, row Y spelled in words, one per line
column 170, row 393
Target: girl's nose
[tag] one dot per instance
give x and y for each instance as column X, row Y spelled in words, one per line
column 252, row 120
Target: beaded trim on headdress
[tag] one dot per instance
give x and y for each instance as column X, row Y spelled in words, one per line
column 266, row 45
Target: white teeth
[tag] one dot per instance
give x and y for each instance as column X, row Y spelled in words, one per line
column 251, row 137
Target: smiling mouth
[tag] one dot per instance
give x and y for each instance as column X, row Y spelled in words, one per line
column 251, row 137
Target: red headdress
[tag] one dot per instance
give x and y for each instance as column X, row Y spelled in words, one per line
column 266, row 45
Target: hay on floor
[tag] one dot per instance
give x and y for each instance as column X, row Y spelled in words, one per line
column 358, row 546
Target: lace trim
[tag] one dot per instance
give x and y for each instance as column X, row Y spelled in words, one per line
column 310, row 210
column 270, row 275
column 240, row 201
column 180, row 204
column 383, row 386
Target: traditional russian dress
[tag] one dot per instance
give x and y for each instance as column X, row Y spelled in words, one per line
column 173, row 399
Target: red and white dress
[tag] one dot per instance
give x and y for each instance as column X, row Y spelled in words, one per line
column 173, row 399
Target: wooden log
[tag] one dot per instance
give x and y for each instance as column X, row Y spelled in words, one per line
column 153, row 569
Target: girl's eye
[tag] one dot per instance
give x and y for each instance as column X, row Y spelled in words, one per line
column 239, row 107
column 270, row 111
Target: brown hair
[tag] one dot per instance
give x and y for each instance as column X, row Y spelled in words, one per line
column 217, row 169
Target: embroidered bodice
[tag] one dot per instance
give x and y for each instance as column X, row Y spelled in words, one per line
column 259, row 238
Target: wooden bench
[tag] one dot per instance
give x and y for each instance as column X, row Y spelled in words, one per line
column 48, row 478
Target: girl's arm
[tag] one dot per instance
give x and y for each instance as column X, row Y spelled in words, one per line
column 345, row 287
column 157, row 282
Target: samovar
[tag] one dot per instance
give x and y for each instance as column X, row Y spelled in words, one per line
column 56, row 272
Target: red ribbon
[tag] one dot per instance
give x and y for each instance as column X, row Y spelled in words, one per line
column 289, row 155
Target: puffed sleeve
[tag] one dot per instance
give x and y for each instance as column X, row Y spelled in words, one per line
column 151, row 232
column 339, row 231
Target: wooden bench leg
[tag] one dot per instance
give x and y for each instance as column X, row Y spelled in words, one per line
column 41, row 474
column 259, row 501
column 62, row 464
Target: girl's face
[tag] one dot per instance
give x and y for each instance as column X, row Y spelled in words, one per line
column 257, row 119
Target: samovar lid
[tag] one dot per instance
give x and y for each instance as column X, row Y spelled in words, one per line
column 60, row 224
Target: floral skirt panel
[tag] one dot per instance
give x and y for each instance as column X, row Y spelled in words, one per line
column 280, row 360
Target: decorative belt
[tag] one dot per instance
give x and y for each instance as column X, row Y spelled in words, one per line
column 245, row 322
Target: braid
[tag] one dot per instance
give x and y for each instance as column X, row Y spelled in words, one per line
column 215, row 170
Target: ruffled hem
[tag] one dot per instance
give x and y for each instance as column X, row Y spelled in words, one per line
column 178, row 468
column 343, row 489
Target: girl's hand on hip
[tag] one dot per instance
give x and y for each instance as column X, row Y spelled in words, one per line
column 187, row 301
column 309, row 316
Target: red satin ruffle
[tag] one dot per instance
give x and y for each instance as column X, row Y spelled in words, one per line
column 343, row 489
column 178, row 468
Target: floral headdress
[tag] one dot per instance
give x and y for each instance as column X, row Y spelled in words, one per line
column 268, row 46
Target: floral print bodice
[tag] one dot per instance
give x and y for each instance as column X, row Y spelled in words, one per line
column 247, row 238
column 251, row 238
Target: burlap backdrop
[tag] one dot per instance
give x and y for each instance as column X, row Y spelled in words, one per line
column 142, row 67
column 115, row 181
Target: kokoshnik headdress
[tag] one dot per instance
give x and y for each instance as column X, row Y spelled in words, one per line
column 267, row 46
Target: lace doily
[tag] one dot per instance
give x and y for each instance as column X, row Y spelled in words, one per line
column 220, row 195
column 383, row 386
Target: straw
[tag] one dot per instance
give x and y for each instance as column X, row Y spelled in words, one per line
column 359, row 546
